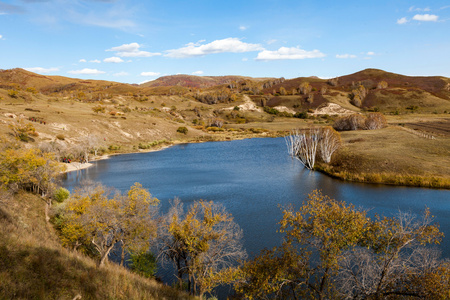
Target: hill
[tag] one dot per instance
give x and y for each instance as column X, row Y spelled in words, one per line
column 378, row 90
column 197, row 81
column 33, row 264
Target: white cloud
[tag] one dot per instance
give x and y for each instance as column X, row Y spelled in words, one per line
column 426, row 18
column 270, row 42
column 95, row 61
column 245, row 59
column 121, row 74
column 243, row 28
column 370, row 53
column 1, row 36
column 150, row 74
column 402, row 21
column 132, row 50
column 82, row 60
column 113, row 59
column 86, row 71
column 345, row 56
column 288, row 53
column 197, row 73
column 412, row 8
column 233, row 45
column 42, row 70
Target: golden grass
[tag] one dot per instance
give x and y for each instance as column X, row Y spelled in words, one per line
column 392, row 156
column 33, row 265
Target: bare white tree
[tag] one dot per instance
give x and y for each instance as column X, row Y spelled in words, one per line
column 303, row 146
column 330, row 141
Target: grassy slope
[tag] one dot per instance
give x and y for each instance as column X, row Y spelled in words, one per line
column 33, row 265
column 394, row 155
column 158, row 117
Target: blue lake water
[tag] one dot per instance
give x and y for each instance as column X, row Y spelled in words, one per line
column 252, row 178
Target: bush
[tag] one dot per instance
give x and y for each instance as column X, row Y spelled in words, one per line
column 182, row 129
column 301, row 115
column 60, row 137
column 214, row 129
column 61, row 194
column 143, row 264
column 270, row 110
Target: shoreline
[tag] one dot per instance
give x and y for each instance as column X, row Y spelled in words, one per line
column 433, row 182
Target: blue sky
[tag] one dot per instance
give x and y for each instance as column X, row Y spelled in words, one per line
column 136, row 41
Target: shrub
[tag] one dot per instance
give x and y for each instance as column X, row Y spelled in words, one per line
column 182, row 129
column 61, row 194
column 143, row 264
column 214, row 129
column 13, row 93
column 60, row 137
column 271, row 110
column 301, row 115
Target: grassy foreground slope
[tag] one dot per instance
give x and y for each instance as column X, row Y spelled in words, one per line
column 33, row 264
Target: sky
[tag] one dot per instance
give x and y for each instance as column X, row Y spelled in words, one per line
column 137, row 41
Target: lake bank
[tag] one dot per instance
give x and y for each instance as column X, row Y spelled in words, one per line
column 388, row 156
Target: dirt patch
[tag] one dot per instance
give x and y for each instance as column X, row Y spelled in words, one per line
column 332, row 109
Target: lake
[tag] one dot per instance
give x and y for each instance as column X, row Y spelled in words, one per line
column 253, row 178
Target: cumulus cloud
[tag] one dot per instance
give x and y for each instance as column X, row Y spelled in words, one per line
column 42, row 70
column 402, row 20
column 242, row 28
column 269, row 42
column 288, row 53
column 197, row 73
column 96, row 61
column 113, row 59
column 233, row 45
column 345, row 56
column 131, row 50
column 150, row 74
column 86, row 71
column 370, row 53
column 426, row 18
column 1, row 36
column 82, row 60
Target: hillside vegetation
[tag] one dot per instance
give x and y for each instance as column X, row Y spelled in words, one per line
column 392, row 129
column 34, row 265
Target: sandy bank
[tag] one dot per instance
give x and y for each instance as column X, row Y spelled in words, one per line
column 75, row 166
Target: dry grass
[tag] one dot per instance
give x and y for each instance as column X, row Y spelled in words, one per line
column 33, row 265
column 392, row 156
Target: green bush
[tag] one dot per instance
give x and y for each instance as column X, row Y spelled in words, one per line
column 182, row 129
column 61, row 194
column 143, row 264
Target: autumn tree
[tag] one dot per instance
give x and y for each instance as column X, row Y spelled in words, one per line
column 305, row 88
column 138, row 219
column 392, row 259
column 382, row 85
column 202, row 243
column 95, row 220
column 334, row 251
column 22, row 131
column 28, row 169
column 375, row 120
column 317, row 236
